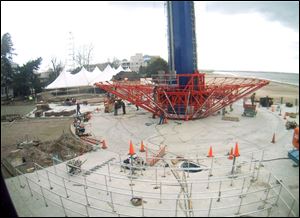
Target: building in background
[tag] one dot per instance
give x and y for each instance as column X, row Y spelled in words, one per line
column 136, row 61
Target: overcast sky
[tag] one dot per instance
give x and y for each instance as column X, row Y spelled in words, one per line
column 261, row 36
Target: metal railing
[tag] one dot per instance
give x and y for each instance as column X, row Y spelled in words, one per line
column 236, row 195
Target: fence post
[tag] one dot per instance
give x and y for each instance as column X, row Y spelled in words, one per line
column 63, row 206
column 108, row 168
column 87, row 211
column 86, row 197
column 85, row 183
column 112, row 203
column 21, row 186
column 209, row 209
column 242, row 187
column 37, row 175
column 208, row 178
column 252, row 180
column 219, row 195
column 240, row 206
column 211, row 165
column 160, row 192
column 29, row 186
column 120, row 163
column 156, row 187
column 188, row 174
column 276, row 203
column 49, row 180
column 251, row 162
column 143, row 212
column 65, row 187
column 106, row 184
column 176, row 207
column 291, row 207
column 259, row 165
column 43, row 196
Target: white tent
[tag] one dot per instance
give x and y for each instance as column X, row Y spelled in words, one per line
column 67, row 80
column 60, row 81
column 79, row 79
column 84, row 77
column 120, row 69
column 106, row 75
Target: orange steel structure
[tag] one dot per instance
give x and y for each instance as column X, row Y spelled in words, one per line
column 202, row 96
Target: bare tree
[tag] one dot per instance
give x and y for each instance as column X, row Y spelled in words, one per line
column 57, row 67
column 84, row 55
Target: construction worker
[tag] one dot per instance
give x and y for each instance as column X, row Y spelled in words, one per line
column 161, row 117
column 123, row 107
column 116, row 108
column 252, row 98
column 78, row 109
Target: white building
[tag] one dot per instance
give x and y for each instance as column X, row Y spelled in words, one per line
column 136, row 61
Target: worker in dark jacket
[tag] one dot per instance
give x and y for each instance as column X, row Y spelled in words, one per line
column 78, row 109
column 252, row 98
column 161, row 117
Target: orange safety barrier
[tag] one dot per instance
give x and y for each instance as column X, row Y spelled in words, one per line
column 296, row 138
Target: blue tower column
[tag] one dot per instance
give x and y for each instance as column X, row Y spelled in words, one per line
column 182, row 38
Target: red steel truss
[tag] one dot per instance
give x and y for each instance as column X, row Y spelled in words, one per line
column 197, row 99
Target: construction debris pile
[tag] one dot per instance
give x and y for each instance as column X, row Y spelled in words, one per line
column 65, row 147
column 74, row 166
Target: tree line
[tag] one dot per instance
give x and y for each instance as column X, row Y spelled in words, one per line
column 22, row 79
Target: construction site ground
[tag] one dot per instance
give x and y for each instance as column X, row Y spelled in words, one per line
column 46, row 131
column 103, row 188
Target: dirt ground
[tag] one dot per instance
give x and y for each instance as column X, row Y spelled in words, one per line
column 53, row 134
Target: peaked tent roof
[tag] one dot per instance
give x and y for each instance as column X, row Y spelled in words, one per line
column 106, row 75
column 120, row 68
column 60, row 81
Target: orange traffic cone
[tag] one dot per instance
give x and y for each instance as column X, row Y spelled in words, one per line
column 142, row 149
column 273, row 139
column 131, row 149
column 104, row 146
column 230, row 157
column 236, row 150
column 210, row 154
